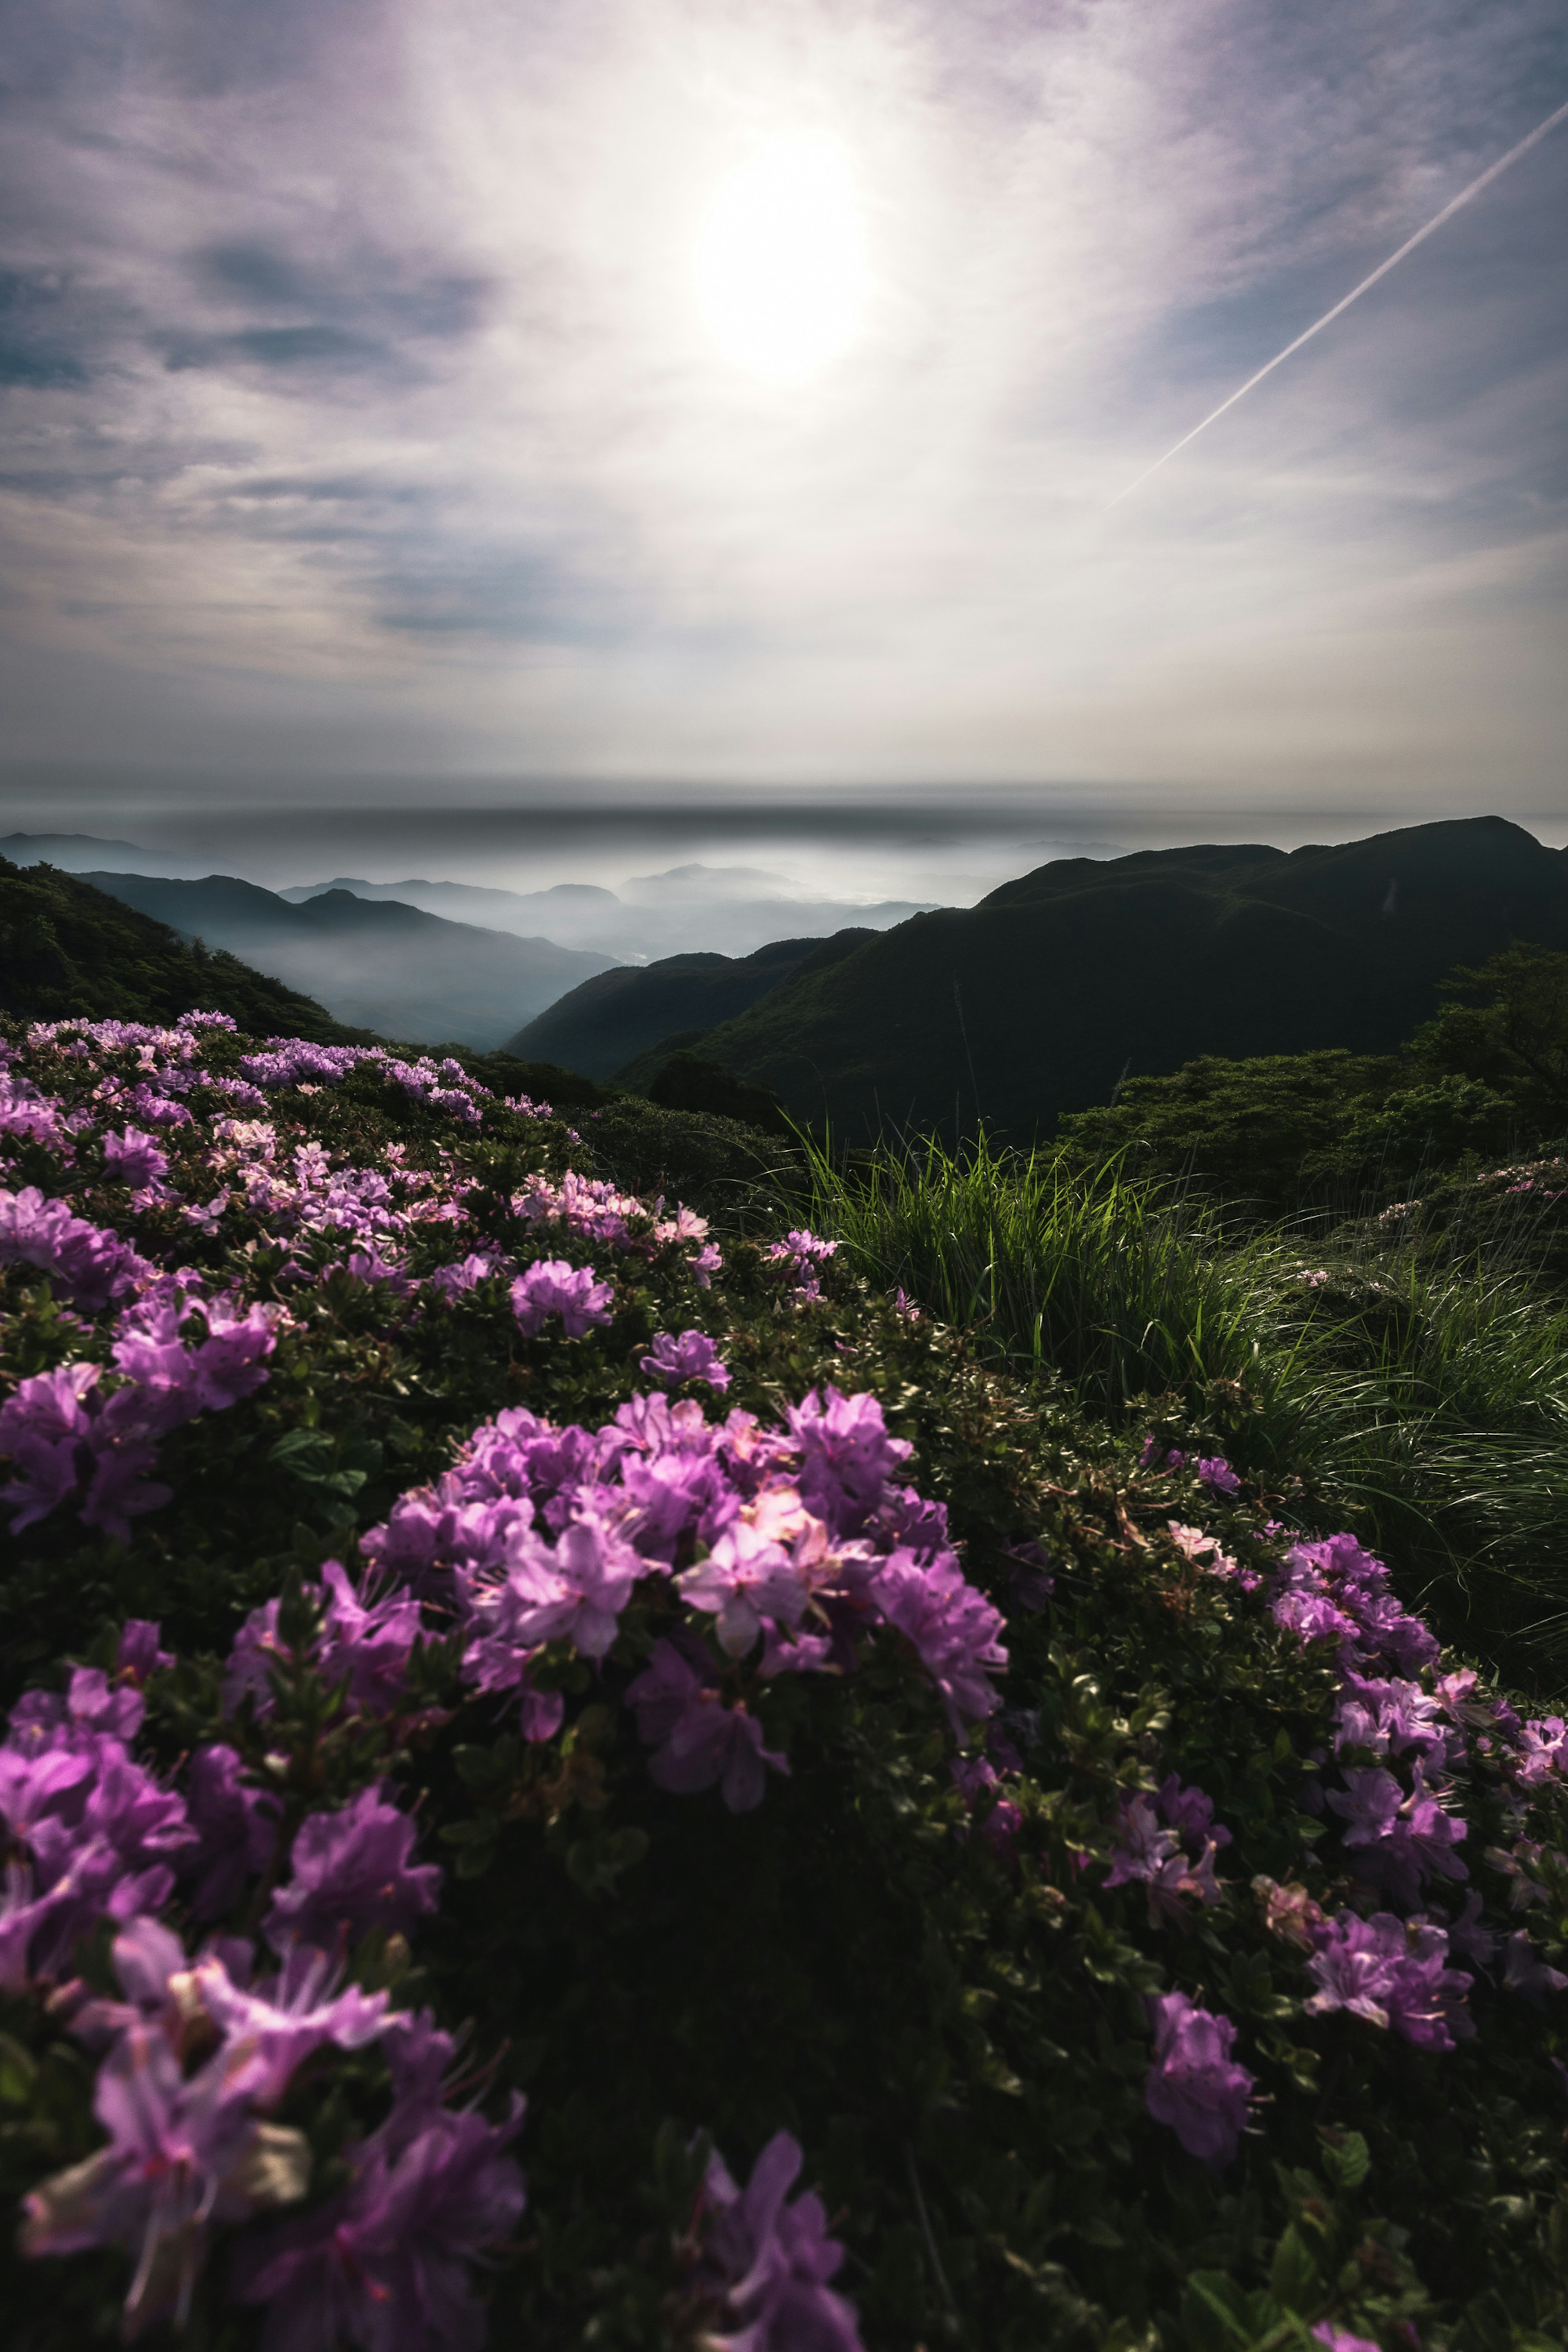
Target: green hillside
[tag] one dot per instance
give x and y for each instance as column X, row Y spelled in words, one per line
column 1045, row 996
column 623, row 1016
column 67, row 950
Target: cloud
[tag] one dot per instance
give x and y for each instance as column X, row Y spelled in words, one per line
column 352, row 352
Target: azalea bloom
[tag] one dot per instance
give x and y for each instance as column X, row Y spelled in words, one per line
column 692, row 1357
column 350, row 1871
column 1392, row 1974
column 770, row 2261
column 1195, row 2085
column 386, row 2265
column 553, row 1287
column 182, row 2152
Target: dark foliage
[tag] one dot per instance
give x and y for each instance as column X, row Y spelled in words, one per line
column 67, row 949
column 1048, row 993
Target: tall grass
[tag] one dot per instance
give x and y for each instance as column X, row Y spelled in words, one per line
column 1428, row 1398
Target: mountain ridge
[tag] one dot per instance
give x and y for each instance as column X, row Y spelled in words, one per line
column 1043, row 997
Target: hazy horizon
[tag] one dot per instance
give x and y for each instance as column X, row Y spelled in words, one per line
column 897, row 847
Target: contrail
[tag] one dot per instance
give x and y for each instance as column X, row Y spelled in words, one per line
column 1492, row 172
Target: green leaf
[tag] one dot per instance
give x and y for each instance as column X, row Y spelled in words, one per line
column 1347, row 2159
column 1293, row 2275
column 18, row 2072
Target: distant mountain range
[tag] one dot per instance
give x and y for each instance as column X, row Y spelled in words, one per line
column 1040, row 999
column 374, row 964
column 731, row 909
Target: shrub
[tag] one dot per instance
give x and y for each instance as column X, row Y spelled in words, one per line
column 916, row 1866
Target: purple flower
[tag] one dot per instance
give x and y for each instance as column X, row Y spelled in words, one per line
column 1335, row 1587
column 692, row 1357
column 351, row 1869
column 1173, row 1862
column 846, row 1457
column 121, row 1489
column 364, row 1644
column 1403, row 1840
column 367, row 1645
column 139, row 1655
column 1216, row 1473
column 799, row 1250
column 1154, row 1458
column 157, row 1109
column 572, row 1591
column 92, row 1834
column 1542, row 1748
column 452, row 1280
column 134, row 1158
column 1195, row 2085
column 553, row 1287
column 770, row 2261
column 1340, row 2339
column 386, row 2264
column 286, row 2017
column 701, row 1740
column 745, row 1579
column 44, row 1428
column 952, row 1627
column 227, row 1364
column 236, row 1830
column 183, row 2151
column 92, row 1266
column 1523, row 1973
column 707, row 1262
column 1394, row 1974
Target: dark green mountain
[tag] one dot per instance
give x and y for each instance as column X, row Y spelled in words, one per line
column 1040, row 999
column 640, row 1013
column 67, row 949
column 387, row 966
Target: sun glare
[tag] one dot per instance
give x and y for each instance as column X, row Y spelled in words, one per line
column 780, row 263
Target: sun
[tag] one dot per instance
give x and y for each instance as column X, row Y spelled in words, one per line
column 782, row 269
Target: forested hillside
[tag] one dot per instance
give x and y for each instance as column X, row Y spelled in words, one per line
column 1042, row 998
column 622, row 1018
column 67, row 948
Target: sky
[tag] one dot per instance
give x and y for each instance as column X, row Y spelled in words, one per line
column 556, row 404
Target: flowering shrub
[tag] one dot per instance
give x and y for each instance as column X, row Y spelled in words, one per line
column 447, row 1585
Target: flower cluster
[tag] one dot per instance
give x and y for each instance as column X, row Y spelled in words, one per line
column 92, row 1266
column 62, row 1430
column 800, row 1255
column 761, row 1551
column 203, row 2047
column 1168, row 1843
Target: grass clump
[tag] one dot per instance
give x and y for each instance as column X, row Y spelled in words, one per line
column 1422, row 1391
